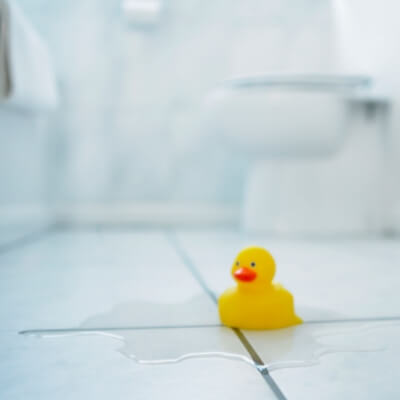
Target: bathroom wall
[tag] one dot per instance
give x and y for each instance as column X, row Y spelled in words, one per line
column 128, row 128
column 368, row 41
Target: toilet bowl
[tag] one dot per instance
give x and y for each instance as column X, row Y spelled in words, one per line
column 317, row 160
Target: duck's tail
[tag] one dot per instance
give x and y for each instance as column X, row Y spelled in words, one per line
column 297, row 319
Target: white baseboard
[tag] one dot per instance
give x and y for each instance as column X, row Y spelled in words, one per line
column 152, row 214
column 395, row 223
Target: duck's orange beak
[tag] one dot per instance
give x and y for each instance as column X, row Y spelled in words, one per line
column 245, row 274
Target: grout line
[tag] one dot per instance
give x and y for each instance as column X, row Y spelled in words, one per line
column 116, row 328
column 194, row 326
column 260, row 365
column 190, row 265
column 27, row 239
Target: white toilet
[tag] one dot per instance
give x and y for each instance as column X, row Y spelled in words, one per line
column 318, row 155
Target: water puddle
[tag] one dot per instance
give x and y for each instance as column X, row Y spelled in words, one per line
column 198, row 310
column 305, row 344
column 151, row 334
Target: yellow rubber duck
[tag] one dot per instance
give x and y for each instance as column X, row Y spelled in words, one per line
column 256, row 302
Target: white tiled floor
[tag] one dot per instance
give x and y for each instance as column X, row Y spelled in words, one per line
column 11, row 236
column 89, row 367
column 69, row 278
column 144, row 279
column 352, row 375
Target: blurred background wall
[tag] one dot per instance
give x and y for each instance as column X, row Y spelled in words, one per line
column 127, row 128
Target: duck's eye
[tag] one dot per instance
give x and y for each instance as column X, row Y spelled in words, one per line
column 253, row 264
column 237, row 263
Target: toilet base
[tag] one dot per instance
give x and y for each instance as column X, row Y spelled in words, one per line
column 321, row 196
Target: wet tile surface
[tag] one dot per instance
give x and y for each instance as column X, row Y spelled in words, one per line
column 90, row 367
column 352, row 375
column 157, row 281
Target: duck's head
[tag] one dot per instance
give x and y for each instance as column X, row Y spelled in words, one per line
column 253, row 267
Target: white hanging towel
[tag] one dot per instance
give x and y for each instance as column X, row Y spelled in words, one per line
column 27, row 79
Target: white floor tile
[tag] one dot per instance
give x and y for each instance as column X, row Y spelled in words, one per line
column 89, row 367
column 69, row 279
column 330, row 279
column 11, row 234
column 114, row 279
column 351, row 375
